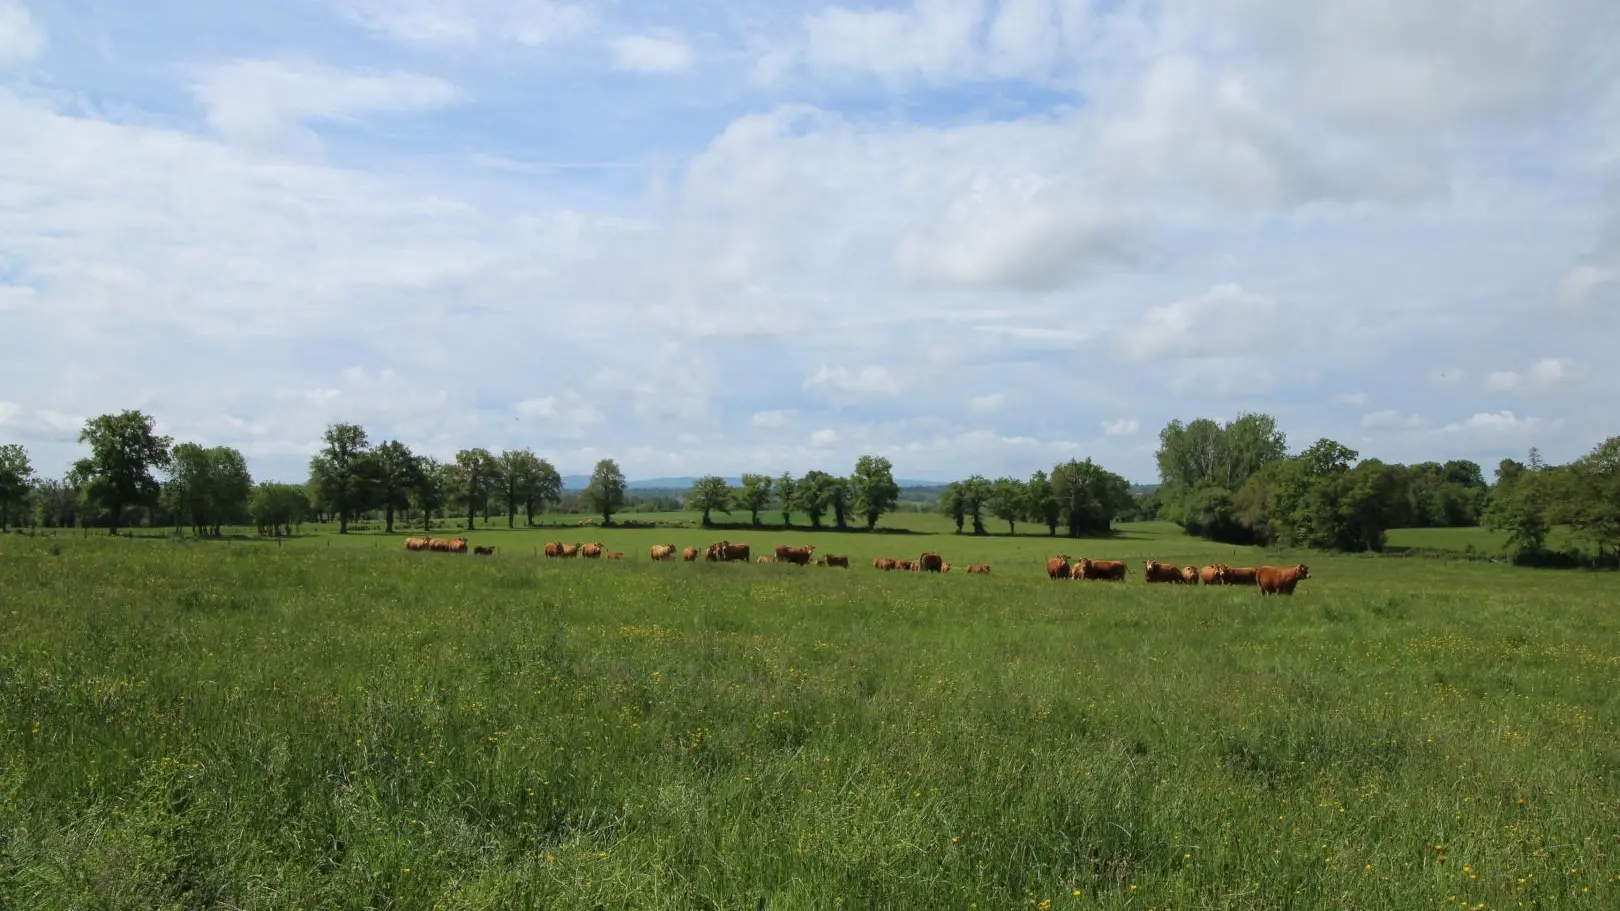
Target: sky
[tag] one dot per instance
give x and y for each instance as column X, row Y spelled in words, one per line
column 973, row 236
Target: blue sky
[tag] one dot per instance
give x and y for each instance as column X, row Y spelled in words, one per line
column 971, row 235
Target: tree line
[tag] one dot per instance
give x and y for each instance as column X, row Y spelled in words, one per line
column 1237, row 483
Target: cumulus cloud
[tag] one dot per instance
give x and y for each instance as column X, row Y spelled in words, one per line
column 266, row 102
column 1391, row 420
column 841, row 384
column 1350, row 398
column 566, row 415
column 769, row 419
column 1121, row 427
column 21, row 39
column 464, row 24
column 1588, row 284
column 1219, row 321
column 1542, row 376
column 825, row 438
column 650, row 53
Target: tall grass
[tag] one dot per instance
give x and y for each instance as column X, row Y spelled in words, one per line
column 220, row 726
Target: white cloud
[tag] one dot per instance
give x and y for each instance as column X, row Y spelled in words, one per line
column 1589, row 283
column 1543, row 376
column 825, row 438
column 567, row 415
column 987, row 404
column 16, row 297
column 462, row 24
column 9, row 410
column 21, row 39
column 1496, row 425
column 265, row 102
column 1222, row 321
column 1391, row 420
column 650, row 54
column 841, row 384
column 1121, row 427
column 1350, row 398
column 769, row 419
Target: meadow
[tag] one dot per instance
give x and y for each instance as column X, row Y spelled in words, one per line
column 332, row 722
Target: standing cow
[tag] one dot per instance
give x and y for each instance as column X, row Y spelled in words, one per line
column 1280, row 580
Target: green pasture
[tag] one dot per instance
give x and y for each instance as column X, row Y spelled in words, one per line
column 337, row 723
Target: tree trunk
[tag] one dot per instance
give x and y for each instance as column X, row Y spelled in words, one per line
column 511, row 514
column 113, row 511
column 388, row 516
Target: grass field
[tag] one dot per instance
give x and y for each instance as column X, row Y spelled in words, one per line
column 336, row 723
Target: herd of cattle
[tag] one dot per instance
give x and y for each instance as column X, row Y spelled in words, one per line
column 1270, row 580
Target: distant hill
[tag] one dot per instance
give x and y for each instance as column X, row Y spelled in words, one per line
column 581, row 481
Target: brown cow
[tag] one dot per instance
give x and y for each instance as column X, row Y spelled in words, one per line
column 764, row 559
column 838, row 560
column 615, row 555
column 689, row 554
column 1189, row 575
column 554, row 548
column 799, row 555
column 883, row 563
column 1058, row 567
column 978, row 569
column 1239, row 575
column 1106, row 570
column 945, row 567
column 1211, row 574
column 1154, row 571
column 1280, row 580
column 482, row 551
column 570, row 550
column 458, row 545
column 930, row 562
column 725, row 550
column 591, row 551
column 663, row 551
column 417, row 543
column 906, row 565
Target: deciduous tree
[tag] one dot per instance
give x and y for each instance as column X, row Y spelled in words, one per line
column 709, row 494
column 16, row 478
column 125, row 449
column 338, row 472
column 754, row 496
column 873, row 487
column 606, row 492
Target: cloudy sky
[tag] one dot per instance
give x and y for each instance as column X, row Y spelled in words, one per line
column 718, row 235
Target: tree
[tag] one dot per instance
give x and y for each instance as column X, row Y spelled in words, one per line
column 710, row 494
column 813, row 495
column 391, row 470
column 975, row 497
column 16, row 479
column 1091, row 496
column 56, row 503
column 1041, row 503
column 787, row 498
column 1518, row 506
column 125, row 448
column 338, row 472
column 545, row 488
column 1009, row 502
column 428, row 488
column 605, row 493
column 874, row 489
column 518, row 475
column 754, row 497
column 274, row 507
column 953, row 505
column 841, row 500
column 1594, row 511
column 476, row 473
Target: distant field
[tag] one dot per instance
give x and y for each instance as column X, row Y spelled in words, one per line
column 336, row 723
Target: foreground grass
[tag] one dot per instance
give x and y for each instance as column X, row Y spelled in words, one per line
column 234, row 726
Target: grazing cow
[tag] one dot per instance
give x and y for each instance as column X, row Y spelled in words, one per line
column 930, row 562
column 1280, row 580
column 1189, row 575
column 457, row 545
column 570, row 550
column 764, row 559
column 1106, row 570
column 663, row 551
column 1239, row 575
column 689, row 554
column 1058, row 567
column 838, row 560
column 974, row 569
column 1154, row 571
column 884, row 563
column 905, row 565
column 482, row 551
column 417, row 543
column 591, row 551
column 554, row 548
column 797, row 555
column 727, row 551
column 945, row 567
column 1211, row 574
column 616, row 555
